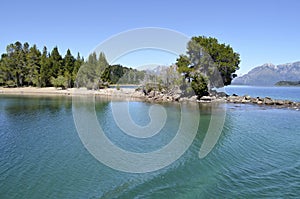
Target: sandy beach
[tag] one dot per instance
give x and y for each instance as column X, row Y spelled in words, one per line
column 123, row 92
column 34, row 91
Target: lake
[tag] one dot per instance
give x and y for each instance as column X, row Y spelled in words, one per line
column 280, row 92
column 42, row 155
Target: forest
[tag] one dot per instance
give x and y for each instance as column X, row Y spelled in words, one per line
column 207, row 64
column 25, row 65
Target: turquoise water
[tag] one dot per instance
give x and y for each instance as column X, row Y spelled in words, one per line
column 287, row 93
column 41, row 155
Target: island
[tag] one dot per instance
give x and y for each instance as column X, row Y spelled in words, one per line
column 288, row 83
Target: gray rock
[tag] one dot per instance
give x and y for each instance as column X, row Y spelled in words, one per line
column 247, row 97
column 206, row 98
column 279, row 102
column 245, row 101
column 151, row 94
column 268, row 101
column 259, row 102
column 176, row 97
column 287, row 102
column 193, row 98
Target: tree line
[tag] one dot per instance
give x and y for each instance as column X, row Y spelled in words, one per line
column 207, row 64
column 25, row 65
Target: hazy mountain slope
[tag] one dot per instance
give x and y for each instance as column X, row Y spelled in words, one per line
column 269, row 74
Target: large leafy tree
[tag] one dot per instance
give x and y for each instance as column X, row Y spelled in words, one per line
column 207, row 60
column 225, row 59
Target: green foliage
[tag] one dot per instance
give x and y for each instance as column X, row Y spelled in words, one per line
column 23, row 65
column 123, row 75
column 199, row 85
column 91, row 72
column 225, row 59
column 56, row 60
column 60, row 81
column 205, row 62
column 45, row 68
column 33, row 67
column 183, row 66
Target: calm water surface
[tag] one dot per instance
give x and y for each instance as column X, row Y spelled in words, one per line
column 41, row 155
column 280, row 92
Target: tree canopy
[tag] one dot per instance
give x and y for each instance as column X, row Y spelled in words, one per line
column 206, row 60
column 208, row 64
column 23, row 65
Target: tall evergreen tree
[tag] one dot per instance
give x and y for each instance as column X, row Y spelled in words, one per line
column 56, row 63
column 69, row 62
column 45, row 64
column 77, row 64
column 33, row 67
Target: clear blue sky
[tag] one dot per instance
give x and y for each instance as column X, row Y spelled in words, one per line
column 262, row 31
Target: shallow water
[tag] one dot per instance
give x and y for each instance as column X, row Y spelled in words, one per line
column 41, row 155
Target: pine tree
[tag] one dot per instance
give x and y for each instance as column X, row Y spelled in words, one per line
column 33, row 67
column 45, row 64
column 69, row 62
column 56, row 63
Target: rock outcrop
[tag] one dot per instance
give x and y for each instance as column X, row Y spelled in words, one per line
column 155, row 96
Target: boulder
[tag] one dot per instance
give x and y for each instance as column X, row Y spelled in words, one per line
column 245, row 101
column 287, row 102
column 268, row 101
column 253, row 100
column 247, row 97
column 176, row 97
column 206, row 98
column 279, row 102
column 221, row 94
column 165, row 98
column 259, row 102
column 151, row 94
column 259, row 99
column 193, row 98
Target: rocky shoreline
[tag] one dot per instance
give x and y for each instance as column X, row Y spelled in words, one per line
column 222, row 97
column 155, row 96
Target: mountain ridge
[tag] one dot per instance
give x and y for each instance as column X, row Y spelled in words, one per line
column 269, row 74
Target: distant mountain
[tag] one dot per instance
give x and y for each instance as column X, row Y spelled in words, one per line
column 269, row 75
column 154, row 69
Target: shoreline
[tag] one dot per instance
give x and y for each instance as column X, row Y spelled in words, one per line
column 153, row 96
